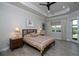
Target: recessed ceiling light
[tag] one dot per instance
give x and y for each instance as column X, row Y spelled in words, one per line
column 48, row 11
column 63, row 6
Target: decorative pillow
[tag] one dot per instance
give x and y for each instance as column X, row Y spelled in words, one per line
column 33, row 34
column 28, row 35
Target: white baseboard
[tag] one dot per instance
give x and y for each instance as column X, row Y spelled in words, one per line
column 73, row 41
column 4, row 49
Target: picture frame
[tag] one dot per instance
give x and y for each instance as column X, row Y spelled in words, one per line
column 29, row 23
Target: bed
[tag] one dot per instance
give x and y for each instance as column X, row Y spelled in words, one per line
column 37, row 41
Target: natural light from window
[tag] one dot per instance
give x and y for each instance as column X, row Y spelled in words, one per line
column 75, row 30
column 56, row 28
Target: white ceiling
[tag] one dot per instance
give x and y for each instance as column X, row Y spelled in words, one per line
column 55, row 9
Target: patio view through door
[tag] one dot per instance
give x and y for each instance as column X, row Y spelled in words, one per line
column 75, row 30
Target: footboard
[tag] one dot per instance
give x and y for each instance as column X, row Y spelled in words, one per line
column 43, row 50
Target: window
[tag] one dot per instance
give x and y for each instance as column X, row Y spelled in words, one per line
column 53, row 28
column 56, row 28
column 75, row 30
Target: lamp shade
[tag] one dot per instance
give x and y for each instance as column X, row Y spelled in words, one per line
column 17, row 29
column 39, row 30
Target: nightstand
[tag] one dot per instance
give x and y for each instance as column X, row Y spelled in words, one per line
column 16, row 43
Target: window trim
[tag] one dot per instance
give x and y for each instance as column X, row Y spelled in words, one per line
column 55, row 29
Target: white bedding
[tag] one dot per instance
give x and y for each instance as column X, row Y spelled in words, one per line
column 39, row 42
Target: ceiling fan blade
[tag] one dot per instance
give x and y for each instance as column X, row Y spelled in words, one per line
column 44, row 4
column 48, row 4
column 52, row 3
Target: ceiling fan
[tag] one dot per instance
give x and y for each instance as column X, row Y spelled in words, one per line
column 48, row 4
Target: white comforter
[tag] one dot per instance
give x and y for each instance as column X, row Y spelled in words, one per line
column 39, row 42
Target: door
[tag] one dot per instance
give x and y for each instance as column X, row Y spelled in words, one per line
column 75, row 30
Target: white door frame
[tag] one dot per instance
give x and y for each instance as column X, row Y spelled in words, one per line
column 77, row 41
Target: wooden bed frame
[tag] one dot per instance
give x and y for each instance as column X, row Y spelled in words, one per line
column 27, row 31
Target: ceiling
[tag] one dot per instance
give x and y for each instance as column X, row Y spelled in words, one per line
column 57, row 9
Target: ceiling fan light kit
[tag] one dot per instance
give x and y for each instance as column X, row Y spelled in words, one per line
column 63, row 6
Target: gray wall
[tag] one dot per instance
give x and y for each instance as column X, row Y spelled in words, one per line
column 12, row 17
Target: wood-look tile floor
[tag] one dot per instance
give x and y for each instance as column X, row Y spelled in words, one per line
column 62, row 48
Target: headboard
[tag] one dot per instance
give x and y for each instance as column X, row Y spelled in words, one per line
column 27, row 31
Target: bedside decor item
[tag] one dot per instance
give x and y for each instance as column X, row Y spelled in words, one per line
column 39, row 30
column 16, row 34
column 42, row 32
column 17, row 29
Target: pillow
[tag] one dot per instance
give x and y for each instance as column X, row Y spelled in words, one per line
column 28, row 35
column 33, row 34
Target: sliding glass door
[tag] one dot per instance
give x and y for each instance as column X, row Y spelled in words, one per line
column 75, row 30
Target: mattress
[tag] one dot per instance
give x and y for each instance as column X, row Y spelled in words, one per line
column 39, row 42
